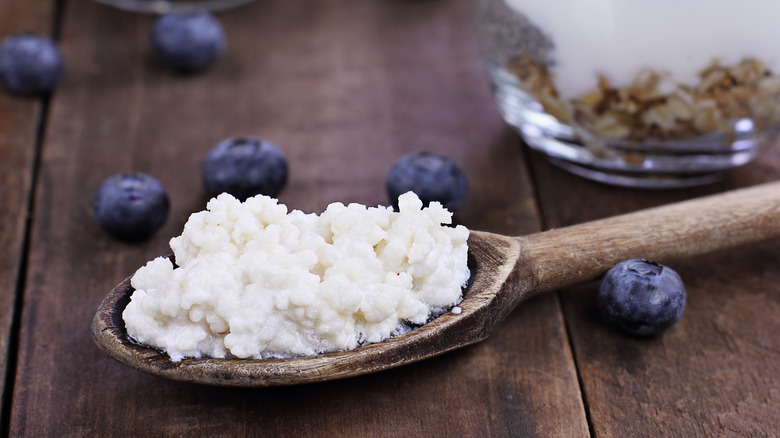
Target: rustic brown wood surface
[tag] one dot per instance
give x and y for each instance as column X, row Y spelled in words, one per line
column 716, row 373
column 345, row 88
column 19, row 122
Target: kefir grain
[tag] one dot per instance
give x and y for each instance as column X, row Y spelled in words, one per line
column 254, row 281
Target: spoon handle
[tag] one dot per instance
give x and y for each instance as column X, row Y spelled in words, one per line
column 570, row 255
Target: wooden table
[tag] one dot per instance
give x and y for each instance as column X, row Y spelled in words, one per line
column 344, row 87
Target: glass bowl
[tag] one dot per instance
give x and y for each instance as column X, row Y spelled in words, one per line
column 658, row 94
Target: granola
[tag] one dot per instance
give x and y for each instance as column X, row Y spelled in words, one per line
column 654, row 107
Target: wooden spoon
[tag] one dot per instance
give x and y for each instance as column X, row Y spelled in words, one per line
column 505, row 272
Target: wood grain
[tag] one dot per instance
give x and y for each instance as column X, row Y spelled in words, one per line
column 716, row 372
column 676, row 231
column 344, row 88
column 19, row 119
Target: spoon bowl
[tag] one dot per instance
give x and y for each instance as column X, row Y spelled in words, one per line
column 505, row 271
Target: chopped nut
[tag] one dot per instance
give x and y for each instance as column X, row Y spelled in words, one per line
column 646, row 86
column 680, row 108
column 769, row 85
column 707, row 119
column 554, row 106
column 660, row 116
column 610, row 125
column 713, row 78
column 747, row 71
column 593, row 98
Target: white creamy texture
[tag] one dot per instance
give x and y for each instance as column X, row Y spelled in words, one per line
column 619, row 38
column 254, row 281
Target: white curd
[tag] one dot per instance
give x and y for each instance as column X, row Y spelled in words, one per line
column 254, row 281
column 618, row 39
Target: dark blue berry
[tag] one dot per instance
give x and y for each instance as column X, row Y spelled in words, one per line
column 30, row 64
column 130, row 206
column 245, row 167
column 432, row 177
column 187, row 41
column 641, row 297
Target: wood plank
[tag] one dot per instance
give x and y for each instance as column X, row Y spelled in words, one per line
column 344, row 88
column 19, row 119
column 716, row 372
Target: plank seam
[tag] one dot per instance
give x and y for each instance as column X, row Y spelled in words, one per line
column 21, row 275
column 543, row 223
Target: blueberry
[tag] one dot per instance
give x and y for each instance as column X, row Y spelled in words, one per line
column 641, row 297
column 245, row 167
column 432, row 177
column 130, row 206
column 30, row 64
column 187, row 41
